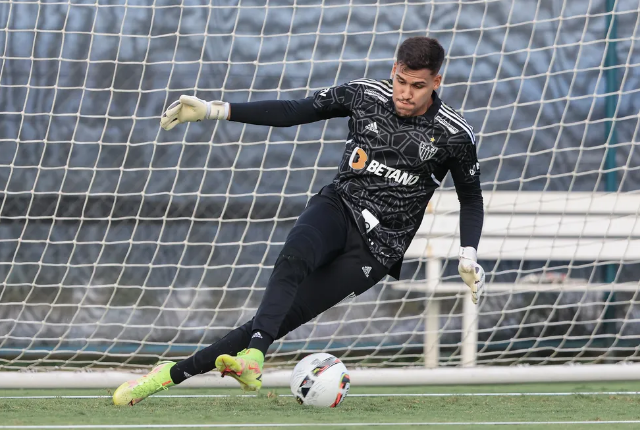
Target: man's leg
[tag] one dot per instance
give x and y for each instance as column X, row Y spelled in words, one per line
column 203, row 361
column 167, row 374
column 330, row 284
column 351, row 273
column 319, row 236
column 321, row 290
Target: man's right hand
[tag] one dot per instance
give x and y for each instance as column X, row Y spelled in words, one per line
column 193, row 109
column 471, row 272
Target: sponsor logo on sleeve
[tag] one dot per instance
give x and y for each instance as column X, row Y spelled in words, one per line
column 377, row 95
column 446, row 124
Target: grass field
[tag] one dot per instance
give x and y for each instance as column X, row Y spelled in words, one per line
column 384, row 407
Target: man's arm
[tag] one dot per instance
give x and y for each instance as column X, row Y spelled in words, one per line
column 471, row 208
column 280, row 113
column 329, row 103
column 465, row 172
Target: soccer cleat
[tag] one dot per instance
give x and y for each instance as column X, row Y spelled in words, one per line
column 132, row 392
column 246, row 368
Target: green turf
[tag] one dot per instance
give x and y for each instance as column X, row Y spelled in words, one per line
column 272, row 407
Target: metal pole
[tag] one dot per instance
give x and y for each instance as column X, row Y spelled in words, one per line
column 611, row 179
column 432, row 315
column 469, row 341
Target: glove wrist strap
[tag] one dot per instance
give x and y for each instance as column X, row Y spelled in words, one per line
column 468, row 252
column 217, row 110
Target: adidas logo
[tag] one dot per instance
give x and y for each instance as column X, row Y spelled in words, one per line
column 186, row 375
column 366, row 269
column 373, row 127
column 351, row 295
column 256, row 335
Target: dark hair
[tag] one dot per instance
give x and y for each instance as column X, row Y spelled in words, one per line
column 421, row 53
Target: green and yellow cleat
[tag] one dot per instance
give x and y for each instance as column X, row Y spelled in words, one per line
column 246, row 368
column 132, row 392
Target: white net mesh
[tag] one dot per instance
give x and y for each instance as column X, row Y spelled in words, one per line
column 121, row 244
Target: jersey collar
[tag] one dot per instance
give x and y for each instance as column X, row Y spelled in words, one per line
column 430, row 114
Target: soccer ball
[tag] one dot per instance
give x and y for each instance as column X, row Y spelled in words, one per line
column 320, row 380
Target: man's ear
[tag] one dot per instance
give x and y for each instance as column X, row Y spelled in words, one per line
column 393, row 70
column 437, row 81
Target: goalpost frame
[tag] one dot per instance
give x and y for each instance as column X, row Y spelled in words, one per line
column 359, row 377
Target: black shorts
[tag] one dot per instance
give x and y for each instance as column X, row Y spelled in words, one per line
column 355, row 269
column 325, row 259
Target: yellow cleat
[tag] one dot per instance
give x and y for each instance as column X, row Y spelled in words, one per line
column 246, row 368
column 132, row 392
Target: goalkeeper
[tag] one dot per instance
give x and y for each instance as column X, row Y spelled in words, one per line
column 402, row 141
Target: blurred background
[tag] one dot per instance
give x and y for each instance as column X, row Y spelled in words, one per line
column 122, row 243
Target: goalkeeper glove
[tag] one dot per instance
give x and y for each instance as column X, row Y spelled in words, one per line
column 192, row 109
column 471, row 272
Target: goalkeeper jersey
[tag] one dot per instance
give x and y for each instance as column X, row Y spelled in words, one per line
column 391, row 165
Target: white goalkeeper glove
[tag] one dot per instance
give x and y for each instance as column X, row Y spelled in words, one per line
column 471, row 272
column 192, row 109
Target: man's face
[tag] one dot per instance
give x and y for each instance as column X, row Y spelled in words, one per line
column 412, row 89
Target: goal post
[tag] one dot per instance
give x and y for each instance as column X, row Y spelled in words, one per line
column 121, row 244
column 359, row 377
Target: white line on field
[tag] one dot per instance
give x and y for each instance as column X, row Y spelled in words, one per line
column 205, row 396
column 254, row 425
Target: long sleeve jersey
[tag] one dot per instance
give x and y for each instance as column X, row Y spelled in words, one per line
column 391, row 165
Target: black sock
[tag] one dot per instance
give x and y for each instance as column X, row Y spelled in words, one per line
column 184, row 369
column 261, row 341
column 205, row 359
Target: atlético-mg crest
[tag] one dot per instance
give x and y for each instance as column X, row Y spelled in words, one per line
column 427, row 151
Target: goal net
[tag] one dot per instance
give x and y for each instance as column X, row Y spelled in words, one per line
column 122, row 244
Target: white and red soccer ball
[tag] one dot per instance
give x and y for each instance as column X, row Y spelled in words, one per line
column 320, row 380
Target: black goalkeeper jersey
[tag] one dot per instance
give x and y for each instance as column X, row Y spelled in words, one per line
column 391, row 165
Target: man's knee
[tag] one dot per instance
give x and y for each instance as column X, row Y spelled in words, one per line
column 291, row 266
column 305, row 243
